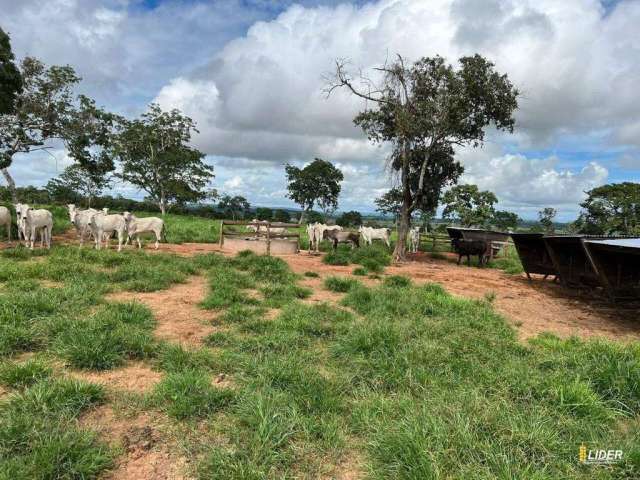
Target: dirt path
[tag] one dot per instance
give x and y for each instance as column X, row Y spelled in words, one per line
column 176, row 310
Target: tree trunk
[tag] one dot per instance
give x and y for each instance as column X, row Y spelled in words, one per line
column 11, row 184
column 400, row 252
column 163, row 207
column 302, row 217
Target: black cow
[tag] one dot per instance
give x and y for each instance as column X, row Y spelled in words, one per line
column 466, row 248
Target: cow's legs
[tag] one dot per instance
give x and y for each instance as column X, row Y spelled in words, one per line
column 120, row 240
column 157, row 239
column 139, row 242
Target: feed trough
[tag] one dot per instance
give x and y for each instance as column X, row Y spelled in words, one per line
column 570, row 261
column 533, row 254
column 616, row 262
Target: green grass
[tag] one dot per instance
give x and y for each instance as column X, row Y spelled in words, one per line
column 340, row 284
column 373, row 258
column 405, row 381
column 189, row 394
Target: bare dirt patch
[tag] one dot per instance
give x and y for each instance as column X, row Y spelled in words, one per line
column 146, row 453
column 318, row 292
column 51, row 284
column 532, row 307
column 176, row 310
column 135, row 377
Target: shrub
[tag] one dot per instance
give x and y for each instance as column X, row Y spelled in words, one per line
column 22, row 375
column 360, row 271
column 340, row 284
column 397, row 281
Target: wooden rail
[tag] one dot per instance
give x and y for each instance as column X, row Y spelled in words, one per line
column 263, row 229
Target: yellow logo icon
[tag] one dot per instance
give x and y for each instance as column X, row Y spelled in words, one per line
column 582, row 453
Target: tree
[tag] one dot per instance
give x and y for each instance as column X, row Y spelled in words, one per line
column 281, row 215
column 234, row 207
column 503, row 220
column 41, row 111
column 468, row 206
column 263, row 213
column 350, row 219
column 318, row 182
column 612, row 209
column 156, row 158
column 390, row 203
column 424, row 110
column 76, row 183
column 90, row 135
column 546, row 216
column 10, row 78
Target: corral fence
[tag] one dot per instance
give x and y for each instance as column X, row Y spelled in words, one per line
column 271, row 233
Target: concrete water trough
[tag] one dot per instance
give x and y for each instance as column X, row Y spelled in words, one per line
column 260, row 245
column 268, row 238
column 533, row 254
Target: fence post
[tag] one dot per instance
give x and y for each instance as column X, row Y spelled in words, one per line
column 268, row 239
column 221, row 232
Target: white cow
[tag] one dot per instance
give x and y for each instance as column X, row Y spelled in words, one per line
column 102, row 225
column 80, row 219
column 21, row 231
column 316, row 233
column 33, row 221
column 263, row 228
column 414, row 239
column 369, row 234
column 136, row 226
column 5, row 219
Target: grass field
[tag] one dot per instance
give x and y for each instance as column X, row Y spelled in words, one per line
column 398, row 381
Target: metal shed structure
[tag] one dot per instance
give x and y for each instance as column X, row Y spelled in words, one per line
column 616, row 262
column 533, row 254
column 571, row 261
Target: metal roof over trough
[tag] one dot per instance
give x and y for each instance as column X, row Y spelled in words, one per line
column 618, row 242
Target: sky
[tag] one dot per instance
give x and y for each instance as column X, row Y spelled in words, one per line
column 252, row 73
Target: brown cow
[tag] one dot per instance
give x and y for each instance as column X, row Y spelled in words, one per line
column 337, row 236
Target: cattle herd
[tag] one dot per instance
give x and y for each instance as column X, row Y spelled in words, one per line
column 96, row 224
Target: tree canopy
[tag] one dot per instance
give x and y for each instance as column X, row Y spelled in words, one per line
column 504, row 220
column 424, row 110
column 351, row 218
column 10, row 78
column 41, row 111
column 469, row 206
column 156, row 157
column 545, row 217
column 317, row 183
column 76, row 184
column 234, row 206
column 612, row 209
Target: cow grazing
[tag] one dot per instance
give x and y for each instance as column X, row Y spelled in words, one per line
column 414, row 239
column 466, row 248
column 136, row 226
column 33, row 221
column 338, row 236
column 370, row 234
column 5, row 219
column 102, row 225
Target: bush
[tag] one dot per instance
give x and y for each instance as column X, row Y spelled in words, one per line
column 337, row 257
column 340, row 284
column 360, row 271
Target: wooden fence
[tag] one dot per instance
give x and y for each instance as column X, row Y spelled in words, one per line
column 263, row 229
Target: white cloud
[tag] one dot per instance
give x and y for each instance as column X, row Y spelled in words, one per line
column 257, row 95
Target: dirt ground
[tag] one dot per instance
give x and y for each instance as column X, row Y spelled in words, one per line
column 531, row 307
column 176, row 310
